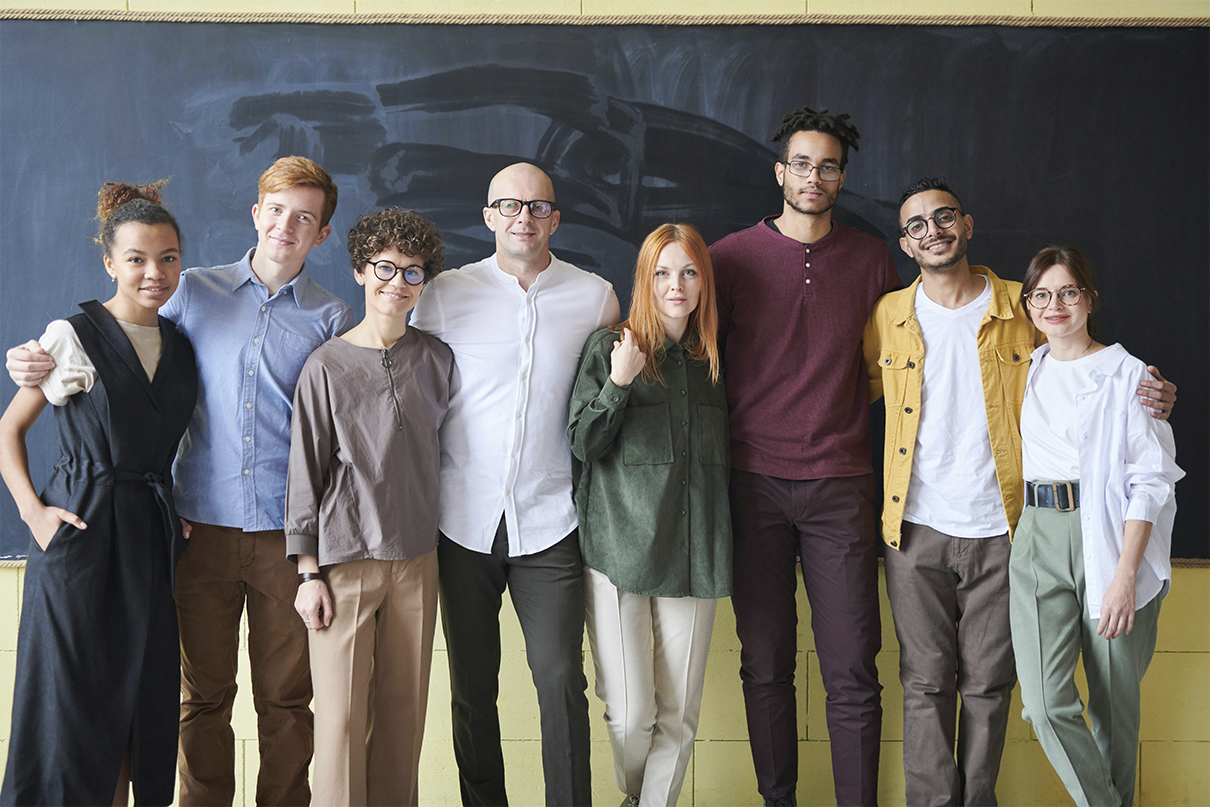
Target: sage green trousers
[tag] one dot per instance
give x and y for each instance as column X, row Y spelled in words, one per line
column 1051, row 629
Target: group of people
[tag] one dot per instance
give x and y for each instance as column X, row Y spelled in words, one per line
column 497, row 428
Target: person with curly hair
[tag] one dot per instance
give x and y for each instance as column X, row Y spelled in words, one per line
column 96, row 695
column 361, row 518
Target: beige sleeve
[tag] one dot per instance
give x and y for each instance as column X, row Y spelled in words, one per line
column 74, row 371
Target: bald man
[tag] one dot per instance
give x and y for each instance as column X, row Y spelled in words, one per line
column 516, row 322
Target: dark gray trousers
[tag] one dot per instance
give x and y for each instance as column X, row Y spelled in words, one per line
column 547, row 589
column 949, row 598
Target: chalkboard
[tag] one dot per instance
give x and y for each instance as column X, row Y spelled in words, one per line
column 1094, row 137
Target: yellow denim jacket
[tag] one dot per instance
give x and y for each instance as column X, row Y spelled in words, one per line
column 894, row 355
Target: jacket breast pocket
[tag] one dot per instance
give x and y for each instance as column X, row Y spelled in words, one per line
column 1013, row 361
column 896, row 365
column 711, row 434
column 647, row 435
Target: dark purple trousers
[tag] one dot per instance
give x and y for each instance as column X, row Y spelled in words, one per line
column 829, row 524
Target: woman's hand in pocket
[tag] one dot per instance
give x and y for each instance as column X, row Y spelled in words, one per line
column 44, row 523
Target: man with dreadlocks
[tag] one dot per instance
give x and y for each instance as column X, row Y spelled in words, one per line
column 794, row 293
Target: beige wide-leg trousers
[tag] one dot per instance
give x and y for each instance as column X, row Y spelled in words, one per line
column 650, row 659
column 370, row 670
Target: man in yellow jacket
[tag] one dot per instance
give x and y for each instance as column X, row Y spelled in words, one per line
column 953, row 493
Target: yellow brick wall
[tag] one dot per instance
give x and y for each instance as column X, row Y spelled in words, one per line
column 1174, row 747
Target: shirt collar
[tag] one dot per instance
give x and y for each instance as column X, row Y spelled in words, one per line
column 298, row 288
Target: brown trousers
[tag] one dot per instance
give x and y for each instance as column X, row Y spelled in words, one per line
column 223, row 569
column 371, row 672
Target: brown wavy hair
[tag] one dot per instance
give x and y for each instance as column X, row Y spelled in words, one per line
column 395, row 228
column 701, row 335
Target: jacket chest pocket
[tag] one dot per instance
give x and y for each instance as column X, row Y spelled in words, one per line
column 647, row 435
column 897, row 366
column 1013, row 361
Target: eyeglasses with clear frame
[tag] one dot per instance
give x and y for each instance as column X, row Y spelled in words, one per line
column 802, row 168
column 538, row 208
column 943, row 217
column 1068, row 296
column 386, row 271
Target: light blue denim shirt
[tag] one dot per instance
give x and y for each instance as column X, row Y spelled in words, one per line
column 231, row 466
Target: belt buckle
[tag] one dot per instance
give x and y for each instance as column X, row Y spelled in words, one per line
column 1071, row 497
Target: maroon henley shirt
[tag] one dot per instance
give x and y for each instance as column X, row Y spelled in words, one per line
column 791, row 317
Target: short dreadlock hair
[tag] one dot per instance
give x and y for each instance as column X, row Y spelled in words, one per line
column 809, row 120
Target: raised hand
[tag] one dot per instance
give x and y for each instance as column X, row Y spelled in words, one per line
column 626, row 361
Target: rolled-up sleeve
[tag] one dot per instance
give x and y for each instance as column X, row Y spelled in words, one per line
column 1151, row 471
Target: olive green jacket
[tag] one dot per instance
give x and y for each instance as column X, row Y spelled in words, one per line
column 652, row 489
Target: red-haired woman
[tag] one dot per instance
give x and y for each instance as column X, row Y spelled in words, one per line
column 649, row 424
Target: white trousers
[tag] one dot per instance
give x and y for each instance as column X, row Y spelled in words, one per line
column 650, row 658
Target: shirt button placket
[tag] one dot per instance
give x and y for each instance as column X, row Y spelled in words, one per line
column 255, row 356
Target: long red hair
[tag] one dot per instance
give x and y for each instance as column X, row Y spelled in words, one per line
column 701, row 335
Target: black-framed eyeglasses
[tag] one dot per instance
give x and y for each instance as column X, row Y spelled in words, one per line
column 943, row 217
column 538, row 208
column 385, row 271
column 1068, row 296
column 802, row 168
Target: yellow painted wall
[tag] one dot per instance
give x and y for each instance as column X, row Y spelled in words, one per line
column 1174, row 747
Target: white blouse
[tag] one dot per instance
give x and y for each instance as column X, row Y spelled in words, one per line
column 1128, row 471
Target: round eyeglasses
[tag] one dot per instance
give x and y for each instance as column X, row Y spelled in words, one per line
column 1068, row 296
column 538, row 208
column 943, row 217
column 385, row 271
column 801, row 168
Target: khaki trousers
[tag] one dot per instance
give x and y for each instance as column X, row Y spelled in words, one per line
column 1051, row 630
column 222, row 570
column 650, row 656
column 371, row 673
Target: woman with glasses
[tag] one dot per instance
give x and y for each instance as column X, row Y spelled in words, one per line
column 361, row 519
column 649, row 424
column 97, row 689
column 1090, row 558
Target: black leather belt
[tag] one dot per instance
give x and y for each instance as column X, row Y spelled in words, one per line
column 1061, row 496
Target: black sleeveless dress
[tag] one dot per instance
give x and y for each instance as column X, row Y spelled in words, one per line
column 98, row 656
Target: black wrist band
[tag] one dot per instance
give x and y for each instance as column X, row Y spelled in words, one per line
column 306, row 577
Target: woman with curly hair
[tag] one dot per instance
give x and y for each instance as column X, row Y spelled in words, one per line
column 361, row 519
column 649, row 424
column 98, row 663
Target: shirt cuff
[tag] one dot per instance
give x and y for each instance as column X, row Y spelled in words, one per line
column 614, row 397
column 301, row 544
column 1141, row 507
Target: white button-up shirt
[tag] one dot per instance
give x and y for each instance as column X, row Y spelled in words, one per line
column 1128, row 471
column 504, row 440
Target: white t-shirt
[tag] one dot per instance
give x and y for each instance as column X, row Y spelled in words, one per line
column 953, row 488
column 1049, row 445
column 74, row 371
